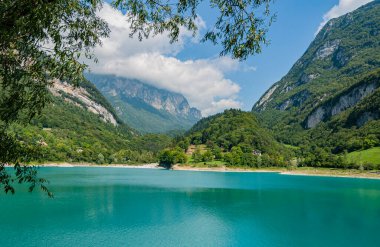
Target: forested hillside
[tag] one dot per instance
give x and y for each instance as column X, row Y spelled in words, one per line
column 234, row 138
column 233, row 128
column 328, row 102
column 79, row 125
column 344, row 50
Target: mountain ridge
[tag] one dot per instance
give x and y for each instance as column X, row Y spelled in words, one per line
column 339, row 49
column 144, row 107
column 336, row 60
column 328, row 103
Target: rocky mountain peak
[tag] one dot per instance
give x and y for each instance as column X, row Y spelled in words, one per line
column 144, row 107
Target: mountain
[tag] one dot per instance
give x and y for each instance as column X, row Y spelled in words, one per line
column 80, row 125
column 144, row 107
column 330, row 77
column 330, row 97
column 87, row 97
column 342, row 51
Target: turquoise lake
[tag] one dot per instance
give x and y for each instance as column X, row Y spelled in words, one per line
column 147, row 207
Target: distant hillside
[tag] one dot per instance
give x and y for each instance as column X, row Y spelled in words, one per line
column 234, row 128
column 146, row 108
column 79, row 125
column 87, row 97
column 330, row 96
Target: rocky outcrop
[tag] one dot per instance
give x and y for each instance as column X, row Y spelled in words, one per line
column 266, row 97
column 296, row 100
column 305, row 78
column 195, row 113
column 340, row 58
column 340, row 103
column 327, row 49
column 144, row 107
column 162, row 100
column 316, row 117
column 81, row 98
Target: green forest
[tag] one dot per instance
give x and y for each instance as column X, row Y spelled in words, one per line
column 67, row 133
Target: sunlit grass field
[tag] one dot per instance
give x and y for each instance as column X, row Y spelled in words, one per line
column 371, row 155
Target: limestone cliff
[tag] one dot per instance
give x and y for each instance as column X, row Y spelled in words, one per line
column 81, row 97
column 144, row 107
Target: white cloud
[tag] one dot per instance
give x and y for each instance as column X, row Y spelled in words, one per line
column 152, row 61
column 220, row 105
column 343, row 7
column 120, row 44
column 200, row 81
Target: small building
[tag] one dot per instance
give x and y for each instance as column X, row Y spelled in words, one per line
column 256, row 152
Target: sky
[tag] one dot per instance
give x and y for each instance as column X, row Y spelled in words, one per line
column 210, row 82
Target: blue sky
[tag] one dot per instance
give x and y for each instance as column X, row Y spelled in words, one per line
column 194, row 69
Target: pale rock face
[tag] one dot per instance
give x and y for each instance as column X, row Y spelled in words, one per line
column 285, row 105
column 327, row 49
column 315, row 118
column 296, row 100
column 350, row 99
column 287, row 89
column 307, row 78
column 345, row 101
column 265, row 99
column 83, row 96
column 335, row 61
column 313, row 76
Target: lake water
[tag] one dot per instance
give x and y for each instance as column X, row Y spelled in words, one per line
column 146, row 207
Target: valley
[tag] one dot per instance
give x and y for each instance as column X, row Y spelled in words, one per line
column 190, row 123
column 323, row 114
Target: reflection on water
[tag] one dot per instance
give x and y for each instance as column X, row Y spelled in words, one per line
column 132, row 207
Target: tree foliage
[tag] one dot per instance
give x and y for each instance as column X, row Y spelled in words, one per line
column 240, row 26
column 15, row 152
column 39, row 43
column 237, row 138
column 168, row 157
column 234, row 128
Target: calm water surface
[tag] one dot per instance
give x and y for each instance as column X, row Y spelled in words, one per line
column 144, row 207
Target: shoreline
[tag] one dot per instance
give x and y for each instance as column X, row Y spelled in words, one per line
column 222, row 169
column 68, row 165
column 364, row 175
column 301, row 171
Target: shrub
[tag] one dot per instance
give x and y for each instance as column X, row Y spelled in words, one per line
column 207, row 156
column 197, row 156
column 166, row 159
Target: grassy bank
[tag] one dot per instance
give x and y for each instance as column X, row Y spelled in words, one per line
column 371, row 155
